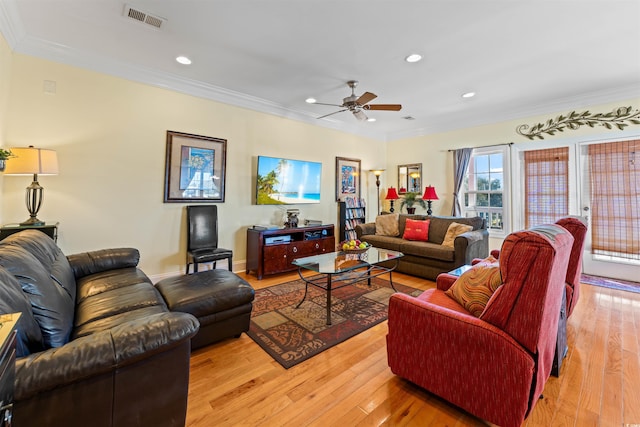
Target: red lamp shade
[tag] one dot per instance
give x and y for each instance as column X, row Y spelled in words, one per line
column 392, row 194
column 430, row 193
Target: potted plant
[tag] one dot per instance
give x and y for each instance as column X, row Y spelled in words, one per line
column 4, row 155
column 411, row 199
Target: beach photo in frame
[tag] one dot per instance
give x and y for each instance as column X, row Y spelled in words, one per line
column 195, row 168
column 347, row 178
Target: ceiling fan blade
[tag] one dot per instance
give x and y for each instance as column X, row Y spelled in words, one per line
column 389, row 107
column 330, row 114
column 366, row 97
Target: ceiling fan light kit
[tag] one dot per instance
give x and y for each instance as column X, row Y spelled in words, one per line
column 356, row 104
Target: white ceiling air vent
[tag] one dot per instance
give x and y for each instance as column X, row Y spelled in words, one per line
column 144, row 17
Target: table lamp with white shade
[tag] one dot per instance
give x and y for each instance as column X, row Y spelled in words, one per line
column 32, row 161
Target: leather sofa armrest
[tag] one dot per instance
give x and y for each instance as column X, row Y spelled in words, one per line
column 365, row 229
column 87, row 263
column 470, row 245
column 102, row 352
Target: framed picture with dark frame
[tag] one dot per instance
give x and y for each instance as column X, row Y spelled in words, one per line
column 347, row 178
column 195, row 168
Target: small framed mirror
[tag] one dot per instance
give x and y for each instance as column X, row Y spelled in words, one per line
column 410, row 178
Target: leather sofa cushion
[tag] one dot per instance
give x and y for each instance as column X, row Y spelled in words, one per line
column 115, row 320
column 117, row 301
column 108, row 280
column 13, row 300
column 52, row 304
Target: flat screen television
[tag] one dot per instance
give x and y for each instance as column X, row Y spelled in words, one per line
column 287, row 182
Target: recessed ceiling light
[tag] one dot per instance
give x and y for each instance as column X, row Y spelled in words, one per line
column 310, row 100
column 183, row 60
column 414, row 57
column 468, row 95
column 371, row 119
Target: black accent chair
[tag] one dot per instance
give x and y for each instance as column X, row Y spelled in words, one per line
column 202, row 237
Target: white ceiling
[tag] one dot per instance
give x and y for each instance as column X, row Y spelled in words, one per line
column 522, row 58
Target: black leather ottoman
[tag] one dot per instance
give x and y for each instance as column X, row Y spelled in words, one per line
column 220, row 300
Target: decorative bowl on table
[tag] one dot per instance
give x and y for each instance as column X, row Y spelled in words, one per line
column 354, row 246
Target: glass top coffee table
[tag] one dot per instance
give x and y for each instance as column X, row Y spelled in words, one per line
column 347, row 268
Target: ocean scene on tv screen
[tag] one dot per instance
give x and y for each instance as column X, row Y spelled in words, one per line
column 284, row 181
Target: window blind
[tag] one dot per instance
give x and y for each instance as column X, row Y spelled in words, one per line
column 614, row 169
column 546, row 185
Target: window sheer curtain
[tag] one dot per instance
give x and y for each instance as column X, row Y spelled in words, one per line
column 614, row 170
column 546, row 185
column 461, row 159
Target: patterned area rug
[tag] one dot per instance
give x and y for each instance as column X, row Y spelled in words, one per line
column 604, row 282
column 293, row 335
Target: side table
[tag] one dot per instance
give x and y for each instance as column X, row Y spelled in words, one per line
column 458, row 271
column 49, row 228
column 7, row 366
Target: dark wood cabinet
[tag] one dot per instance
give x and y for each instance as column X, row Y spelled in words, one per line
column 50, row 229
column 272, row 251
column 7, row 366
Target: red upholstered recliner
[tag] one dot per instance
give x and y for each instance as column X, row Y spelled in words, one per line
column 578, row 229
column 494, row 366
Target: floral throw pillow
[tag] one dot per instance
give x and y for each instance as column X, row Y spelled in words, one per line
column 474, row 287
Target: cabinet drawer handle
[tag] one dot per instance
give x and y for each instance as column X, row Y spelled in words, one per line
column 295, row 249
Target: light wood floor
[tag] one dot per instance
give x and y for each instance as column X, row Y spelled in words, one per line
column 236, row 383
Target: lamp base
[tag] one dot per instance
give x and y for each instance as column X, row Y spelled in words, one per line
column 33, row 221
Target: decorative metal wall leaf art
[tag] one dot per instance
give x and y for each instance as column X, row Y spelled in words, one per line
column 619, row 118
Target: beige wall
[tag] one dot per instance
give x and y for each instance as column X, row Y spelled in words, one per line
column 5, row 79
column 110, row 137
column 437, row 161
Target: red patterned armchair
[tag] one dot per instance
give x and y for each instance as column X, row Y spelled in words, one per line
column 578, row 229
column 494, row 366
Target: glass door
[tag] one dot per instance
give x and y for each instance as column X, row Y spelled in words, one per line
column 609, row 177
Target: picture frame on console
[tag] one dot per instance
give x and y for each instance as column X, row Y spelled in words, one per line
column 195, row 168
column 348, row 178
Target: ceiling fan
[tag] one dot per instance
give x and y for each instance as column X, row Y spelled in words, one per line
column 357, row 104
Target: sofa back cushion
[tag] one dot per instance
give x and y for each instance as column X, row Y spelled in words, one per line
column 387, row 225
column 47, row 280
column 440, row 224
column 13, row 300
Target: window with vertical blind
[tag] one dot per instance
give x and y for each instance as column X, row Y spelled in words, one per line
column 614, row 169
column 546, row 175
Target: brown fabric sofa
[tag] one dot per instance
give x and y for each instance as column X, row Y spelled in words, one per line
column 430, row 258
column 96, row 345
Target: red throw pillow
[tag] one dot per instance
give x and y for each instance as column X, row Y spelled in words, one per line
column 416, row 230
